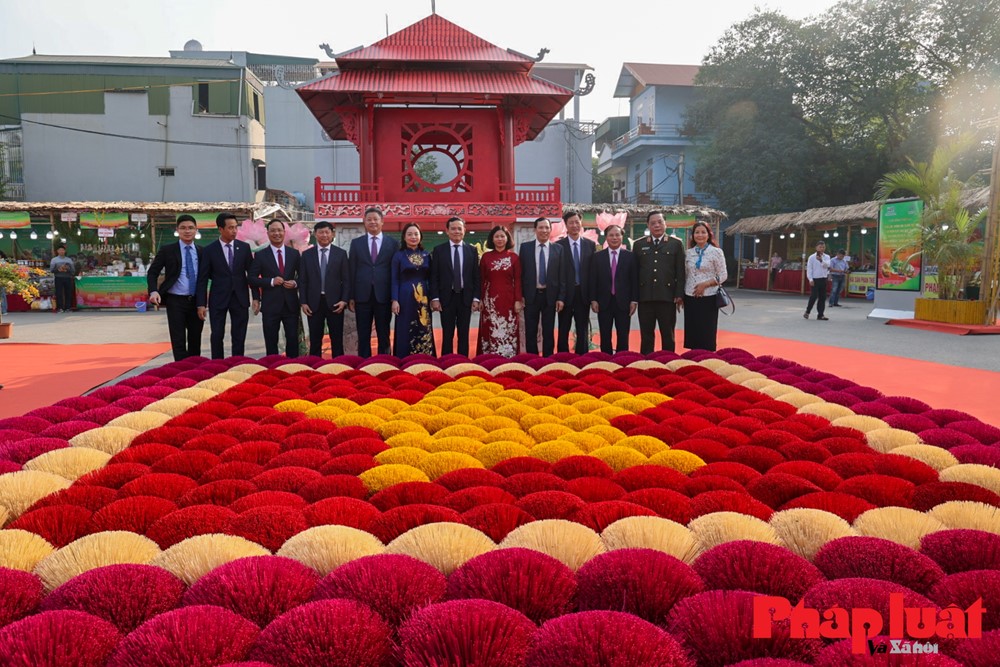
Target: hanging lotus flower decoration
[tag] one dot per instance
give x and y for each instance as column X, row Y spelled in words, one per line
column 253, row 232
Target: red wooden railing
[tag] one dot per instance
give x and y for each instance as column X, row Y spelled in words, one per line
column 357, row 193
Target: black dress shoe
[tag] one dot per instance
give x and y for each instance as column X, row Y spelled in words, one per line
column 822, row 317
column 805, row 315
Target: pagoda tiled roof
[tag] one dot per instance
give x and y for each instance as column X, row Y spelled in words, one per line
column 434, row 39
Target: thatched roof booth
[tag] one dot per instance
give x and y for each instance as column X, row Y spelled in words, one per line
column 793, row 235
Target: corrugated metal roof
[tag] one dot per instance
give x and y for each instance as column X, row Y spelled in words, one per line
column 117, row 60
column 434, row 39
column 652, row 74
column 435, row 82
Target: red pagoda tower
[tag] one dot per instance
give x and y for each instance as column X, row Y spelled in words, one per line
column 435, row 113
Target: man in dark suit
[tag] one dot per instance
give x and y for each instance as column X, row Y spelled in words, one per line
column 543, row 287
column 578, row 252
column 180, row 263
column 661, row 283
column 454, row 286
column 614, row 290
column 324, row 290
column 226, row 264
column 274, row 272
column 371, row 275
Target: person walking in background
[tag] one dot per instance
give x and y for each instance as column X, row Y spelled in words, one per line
column 411, row 273
column 324, row 290
column 454, row 286
column 274, row 272
column 661, row 283
column 614, row 290
column 180, row 263
column 776, row 263
column 579, row 252
column 370, row 262
column 817, row 270
column 705, row 271
column 500, row 277
column 64, row 270
column 838, row 274
column 543, row 288
column 226, row 264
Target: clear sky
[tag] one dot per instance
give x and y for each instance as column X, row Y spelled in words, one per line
column 600, row 34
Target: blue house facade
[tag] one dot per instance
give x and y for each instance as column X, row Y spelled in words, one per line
column 652, row 162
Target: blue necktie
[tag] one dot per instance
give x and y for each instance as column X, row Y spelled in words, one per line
column 189, row 270
column 576, row 260
column 541, row 268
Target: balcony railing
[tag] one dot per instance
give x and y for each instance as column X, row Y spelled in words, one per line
column 510, row 201
column 672, row 131
column 530, row 193
column 347, row 193
column 357, row 193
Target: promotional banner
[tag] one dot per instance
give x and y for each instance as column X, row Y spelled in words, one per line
column 111, row 292
column 98, row 220
column 15, row 220
column 899, row 264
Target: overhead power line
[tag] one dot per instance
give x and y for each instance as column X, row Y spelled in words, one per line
column 177, row 142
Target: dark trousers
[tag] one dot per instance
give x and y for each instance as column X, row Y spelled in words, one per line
column 239, row 317
column 366, row 313
column 539, row 311
column 651, row 315
column 575, row 311
column 324, row 317
column 184, row 325
column 838, row 284
column 817, row 296
column 272, row 323
column 701, row 322
column 65, row 292
column 614, row 316
column 455, row 315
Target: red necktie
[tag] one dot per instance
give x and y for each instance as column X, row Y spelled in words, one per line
column 281, row 264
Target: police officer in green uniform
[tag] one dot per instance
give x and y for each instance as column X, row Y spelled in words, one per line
column 661, row 283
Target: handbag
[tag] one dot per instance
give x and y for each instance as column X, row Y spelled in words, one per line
column 724, row 300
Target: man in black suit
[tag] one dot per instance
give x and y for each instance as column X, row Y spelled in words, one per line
column 371, row 275
column 661, row 283
column 324, row 290
column 454, row 286
column 226, row 264
column 180, row 263
column 614, row 290
column 578, row 252
column 542, row 286
column 274, row 272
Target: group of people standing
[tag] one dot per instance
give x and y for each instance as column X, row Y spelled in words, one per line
column 381, row 279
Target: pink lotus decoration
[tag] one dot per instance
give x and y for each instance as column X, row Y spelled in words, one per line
column 558, row 231
column 297, row 236
column 253, row 232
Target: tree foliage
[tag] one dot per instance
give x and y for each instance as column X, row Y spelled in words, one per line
column 797, row 114
column 602, row 188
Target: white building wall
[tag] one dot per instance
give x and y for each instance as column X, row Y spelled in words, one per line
column 65, row 165
column 561, row 151
column 290, row 123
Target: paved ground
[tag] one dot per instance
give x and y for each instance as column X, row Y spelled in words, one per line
column 763, row 314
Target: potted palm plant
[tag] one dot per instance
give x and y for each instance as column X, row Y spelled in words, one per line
column 950, row 237
column 15, row 279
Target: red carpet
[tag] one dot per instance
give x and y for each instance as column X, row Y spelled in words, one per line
column 971, row 390
column 941, row 327
column 36, row 374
